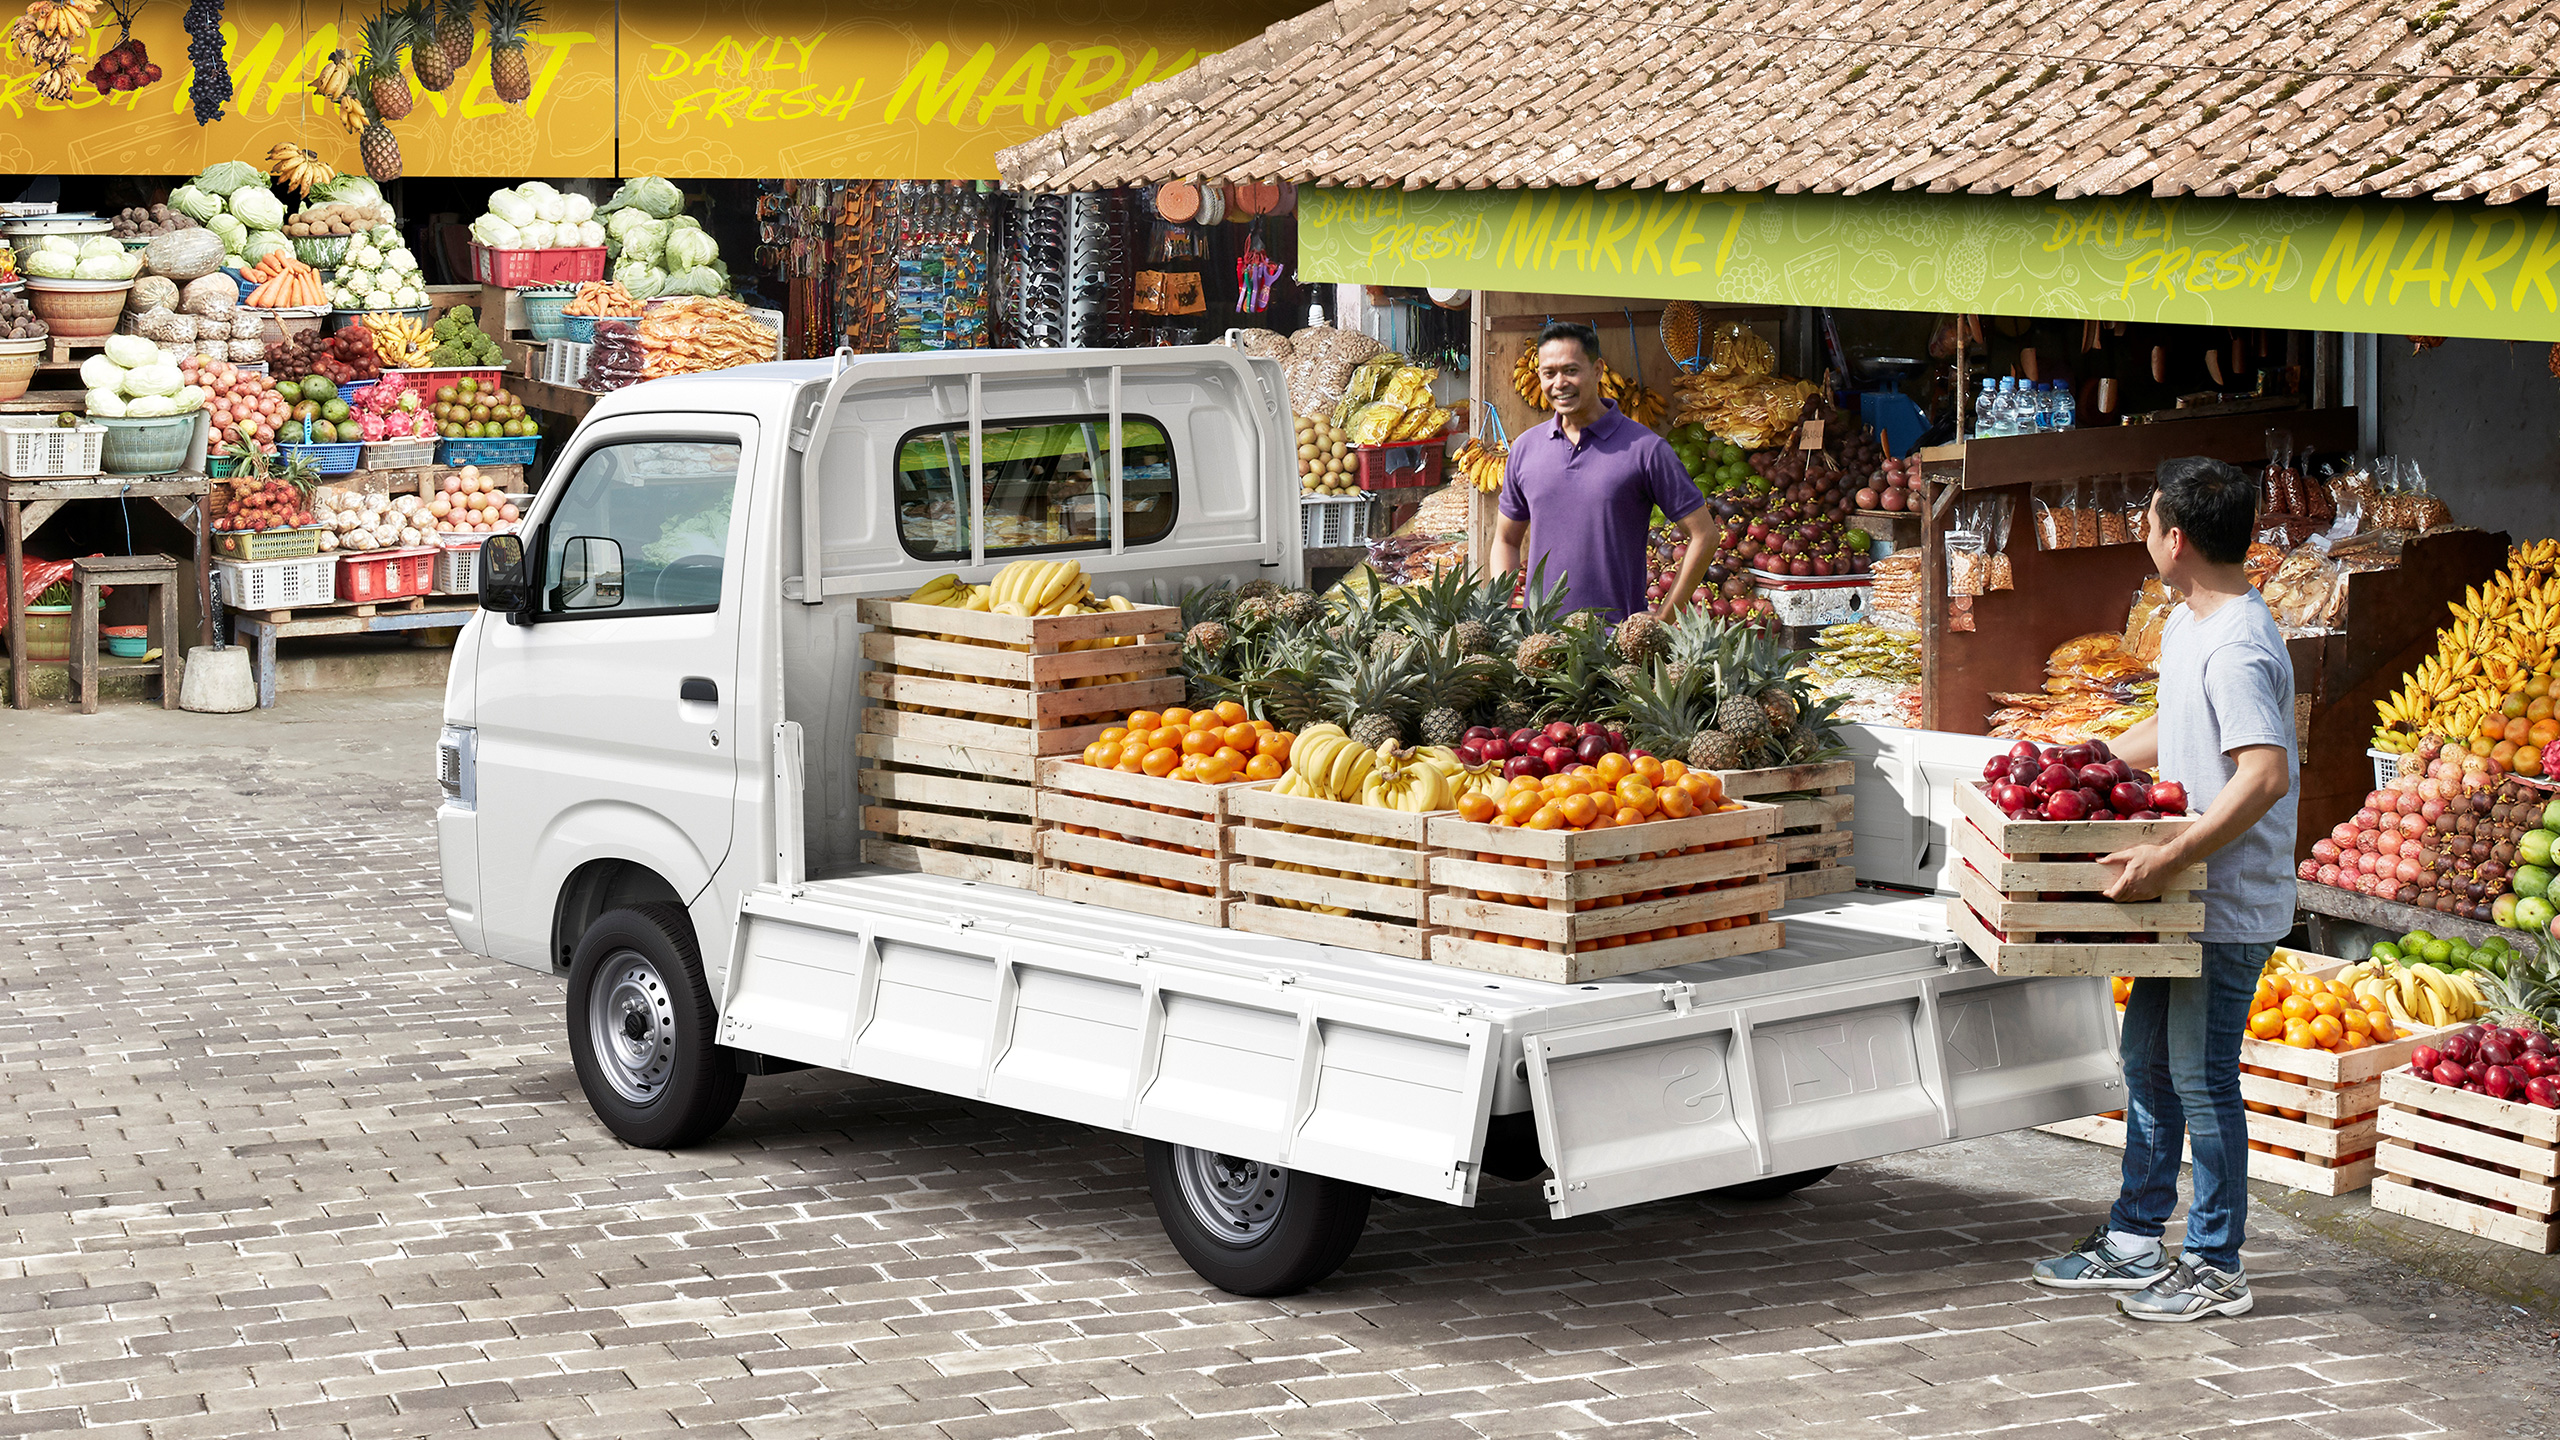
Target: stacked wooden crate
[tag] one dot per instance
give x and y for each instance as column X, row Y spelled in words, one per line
column 962, row 706
column 1297, row 858
column 1155, row 846
column 2029, row 896
column 1814, row 837
column 2472, row 1163
column 1576, row 905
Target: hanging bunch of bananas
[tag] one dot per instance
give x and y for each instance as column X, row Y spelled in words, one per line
column 1635, row 402
column 297, row 169
column 49, row 36
column 1524, row 376
column 400, row 341
column 2416, row 993
column 2502, row 635
column 1482, row 464
column 334, row 75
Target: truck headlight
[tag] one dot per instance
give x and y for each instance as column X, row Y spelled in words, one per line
column 457, row 768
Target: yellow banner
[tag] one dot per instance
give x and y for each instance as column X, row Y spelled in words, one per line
column 914, row 92
column 563, row 129
column 887, row 91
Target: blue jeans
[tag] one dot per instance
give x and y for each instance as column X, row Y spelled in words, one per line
column 2181, row 1053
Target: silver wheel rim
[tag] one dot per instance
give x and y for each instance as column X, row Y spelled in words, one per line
column 1238, row 1200
column 631, row 1023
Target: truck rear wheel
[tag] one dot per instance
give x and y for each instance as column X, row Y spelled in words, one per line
column 1773, row 1187
column 1250, row 1228
column 640, row 1027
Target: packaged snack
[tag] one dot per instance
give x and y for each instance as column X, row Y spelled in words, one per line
column 2056, row 504
column 2108, row 497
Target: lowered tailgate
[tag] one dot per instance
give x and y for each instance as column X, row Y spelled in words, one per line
column 1891, row 1043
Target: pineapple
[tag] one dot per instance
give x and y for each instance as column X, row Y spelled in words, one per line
column 1446, row 686
column 1475, row 637
column 1541, row 653
column 1738, row 712
column 1663, row 713
column 2527, row 986
column 1253, row 612
column 381, row 150
column 1576, row 684
column 1713, row 749
column 426, row 49
column 1258, row 588
column 1209, row 637
column 386, row 86
column 1366, row 696
column 454, row 40
column 1299, row 607
column 1513, row 712
column 510, row 74
column 1641, row 639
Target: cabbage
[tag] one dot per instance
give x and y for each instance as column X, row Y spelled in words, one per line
column 537, row 236
column 496, row 234
column 536, row 191
column 696, row 280
column 262, row 243
column 549, row 210
column 157, row 378
column 233, row 233
column 129, row 352
column 643, row 280
column 196, row 203
column 103, row 267
column 190, row 397
column 59, row 245
column 577, row 209
column 97, row 245
column 646, row 245
column 103, row 400
column 620, row 223
column 590, row 235
column 259, row 207
column 100, row 373
column 654, row 194
column 351, row 189
column 400, row 262
column 48, row 265
column 151, row 407
column 511, row 207
column 687, row 248
column 230, row 175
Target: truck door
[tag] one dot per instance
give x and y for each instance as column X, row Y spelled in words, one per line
column 609, row 726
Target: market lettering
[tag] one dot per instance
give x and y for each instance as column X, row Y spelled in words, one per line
column 1611, row 232
column 2536, row 269
column 719, row 57
column 2434, row 237
column 2244, row 266
column 933, row 91
column 1737, row 204
column 763, row 105
column 2134, row 221
column 2349, row 265
column 2474, row 271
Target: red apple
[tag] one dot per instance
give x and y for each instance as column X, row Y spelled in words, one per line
column 2129, row 796
column 2169, row 798
column 2065, row 805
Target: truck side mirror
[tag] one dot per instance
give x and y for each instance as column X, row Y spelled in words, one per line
column 590, row 573
column 505, row 587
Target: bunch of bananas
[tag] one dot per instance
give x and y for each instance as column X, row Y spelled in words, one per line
column 1646, row 407
column 61, row 19
column 2416, row 993
column 1056, row 587
column 334, row 76
column 1482, row 464
column 400, row 340
column 48, row 36
column 2503, row 634
column 297, row 169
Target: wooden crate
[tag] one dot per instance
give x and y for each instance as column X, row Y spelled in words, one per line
column 1814, row 838
column 2009, row 865
column 1560, row 896
column 1101, row 830
column 2503, row 1153
column 2306, row 1175
column 1371, row 862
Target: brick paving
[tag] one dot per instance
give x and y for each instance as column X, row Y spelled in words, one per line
column 288, row 1162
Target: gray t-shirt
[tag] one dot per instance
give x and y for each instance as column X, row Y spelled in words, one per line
column 2226, row 682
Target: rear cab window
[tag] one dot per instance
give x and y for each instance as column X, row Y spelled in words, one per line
column 1044, row 485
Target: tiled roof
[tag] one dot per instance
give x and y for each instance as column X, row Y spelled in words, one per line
column 2445, row 99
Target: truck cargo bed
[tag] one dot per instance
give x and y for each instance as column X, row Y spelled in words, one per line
column 1870, row 1032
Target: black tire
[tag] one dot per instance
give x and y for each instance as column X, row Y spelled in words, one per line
column 1253, row 1229
column 640, row 1028
column 1774, row 1187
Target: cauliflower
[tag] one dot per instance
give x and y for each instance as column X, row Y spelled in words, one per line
column 363, row 256
column 410, row 297
column 379, row 300
column 400, row 262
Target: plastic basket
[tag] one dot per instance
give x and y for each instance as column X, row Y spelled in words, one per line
column 341, row 319
column 155, row 445
column 1332, row 521
column 287, row 544
column 275, row 584
column 542, row 312
column 399, row 454
column 458, row 567
column 50, row 452
column 427, row 381
column 517, row 269
column 1399, row 467
column 338, row 459
column 564, row 362
column 582, row 328
column 505, row 450
column 385, row 574
column 246, row 284
column 2386, row 767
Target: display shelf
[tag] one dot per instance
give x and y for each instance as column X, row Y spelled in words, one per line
column 1996, row 461
column 554, row 399
column 2391, row 915
column 265, row 627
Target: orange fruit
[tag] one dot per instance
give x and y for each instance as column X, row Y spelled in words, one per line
column 2266, row 995
column 1274, row 743
column 1160, row 763
column 1114, row 733
column 2297, row 1033
column 2325, row 1032
column 1229, row 712
column 1101, row 753
column 1649, row 770
column 2297, row 1007
column 2267, row 1024
column 1475, row 806
column 1239, row 737
column 1167, row 738
column 1132, row 751
column 2528, row 758
column 1673, row 770
column 1199, row 742
column 2329, row 1006
column 1578, row 810
column 1144, row 720
column 1521, row 803
column 1710, row 795
column 1177, row 717
column 1263, row 767
column 1546, row 817
column 1215, row 769
column 1676, row 804
column 1231, row 757
column 2517, row 729
column 1612, row 768
column 2352, row 1040
column 1635, row 794
column 2356, row 1021
column 1628, row 815
column 1599, row 818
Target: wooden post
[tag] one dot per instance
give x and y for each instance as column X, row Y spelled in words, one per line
column 21, row 693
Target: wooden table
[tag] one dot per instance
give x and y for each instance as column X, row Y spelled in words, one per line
column 25, row 505
column 2328, row 902
column 266, row 627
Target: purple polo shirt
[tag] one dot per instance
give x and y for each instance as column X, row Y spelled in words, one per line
column 1587, row 506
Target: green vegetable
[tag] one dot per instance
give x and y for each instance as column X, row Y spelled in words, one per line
column 688, row 247
column 654, row 194
column 195, row 202
column 57, row 593
column 259, row 208
column 230, row 175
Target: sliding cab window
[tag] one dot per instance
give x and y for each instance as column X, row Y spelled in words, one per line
column 642, row 527
column 1046, row 486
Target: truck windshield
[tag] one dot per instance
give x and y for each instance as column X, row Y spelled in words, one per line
column 1046, row 485
column 664, row 507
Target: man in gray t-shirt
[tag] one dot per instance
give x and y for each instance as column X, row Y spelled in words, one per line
column 2225, row 732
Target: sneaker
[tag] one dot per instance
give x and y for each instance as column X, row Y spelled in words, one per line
column 2095, row 1264
column 2192, row 1290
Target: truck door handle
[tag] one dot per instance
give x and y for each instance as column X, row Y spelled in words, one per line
column 698, row 687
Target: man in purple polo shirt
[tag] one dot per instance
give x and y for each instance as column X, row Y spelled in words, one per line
column 1582, row 488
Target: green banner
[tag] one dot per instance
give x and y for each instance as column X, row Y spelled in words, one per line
column 2391, row 267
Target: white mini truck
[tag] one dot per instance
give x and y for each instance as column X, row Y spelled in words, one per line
column 648, row 765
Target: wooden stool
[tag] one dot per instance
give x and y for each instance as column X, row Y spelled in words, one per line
column 158, row 573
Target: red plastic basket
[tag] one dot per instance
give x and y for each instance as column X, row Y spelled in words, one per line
column 386, row 574
column 1400, row 467
column 516, row 269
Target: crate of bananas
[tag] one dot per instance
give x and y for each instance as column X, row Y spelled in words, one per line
column 1033, row 649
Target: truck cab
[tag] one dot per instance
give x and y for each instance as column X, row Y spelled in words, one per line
column 650, row 790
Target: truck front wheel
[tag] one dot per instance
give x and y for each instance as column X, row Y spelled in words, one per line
column 640, row 1027
column 1250, row 1228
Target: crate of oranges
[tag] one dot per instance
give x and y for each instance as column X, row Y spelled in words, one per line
column 1610, row 868
column 2030, row 896
column 1139, row 820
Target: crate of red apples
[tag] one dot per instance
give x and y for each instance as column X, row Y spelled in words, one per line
column 2030, row 891
column 2470, row 1136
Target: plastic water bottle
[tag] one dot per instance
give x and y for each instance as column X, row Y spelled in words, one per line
column 2065, row 409
column 2012, row 418
column 2044, row 408
column 1986, row 409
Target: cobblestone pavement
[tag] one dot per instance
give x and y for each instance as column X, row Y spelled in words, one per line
column 288, row 1162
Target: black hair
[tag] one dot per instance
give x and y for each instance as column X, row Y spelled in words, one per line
column 2213, row 503
column 1575, row 331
